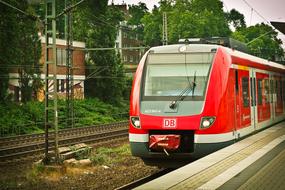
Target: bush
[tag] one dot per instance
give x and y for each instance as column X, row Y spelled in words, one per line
column 29, row 118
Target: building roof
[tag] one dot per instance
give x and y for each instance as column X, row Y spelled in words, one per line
column 63, row 42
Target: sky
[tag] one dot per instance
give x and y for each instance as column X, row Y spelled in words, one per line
column 263, row 10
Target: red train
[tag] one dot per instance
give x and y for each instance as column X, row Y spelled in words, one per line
column 189, row 100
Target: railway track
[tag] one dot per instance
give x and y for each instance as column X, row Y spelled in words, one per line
column 19, row 147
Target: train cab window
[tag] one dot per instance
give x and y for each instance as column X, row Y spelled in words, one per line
column 167, row 75
column 259, row 91
column 245, row 92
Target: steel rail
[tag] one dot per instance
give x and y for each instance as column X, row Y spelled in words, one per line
column 101, row 135
column 31, row 138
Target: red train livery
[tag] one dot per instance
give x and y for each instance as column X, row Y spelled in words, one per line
column 189, row 100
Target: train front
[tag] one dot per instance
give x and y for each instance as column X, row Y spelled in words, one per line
column 167, row 102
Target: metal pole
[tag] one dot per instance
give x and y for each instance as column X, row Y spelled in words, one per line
column 51, row 82
column 55, row 81
column 69, row 69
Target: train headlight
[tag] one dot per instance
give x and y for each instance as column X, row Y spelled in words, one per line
column 206, row 122
column 135, row 120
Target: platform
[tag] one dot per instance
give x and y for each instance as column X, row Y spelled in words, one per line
column 256, row 162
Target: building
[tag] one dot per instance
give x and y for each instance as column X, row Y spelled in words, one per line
column 78, row 65
column 125, row 41
column 127, row 38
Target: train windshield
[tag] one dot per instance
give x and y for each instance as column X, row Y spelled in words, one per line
column 167, row 75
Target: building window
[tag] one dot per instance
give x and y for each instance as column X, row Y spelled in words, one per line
column 61, row 57
column 125, row 35
column 125, row 58
column 62, row 85
column 131, row 58
column 131, row 36
column 58, row 84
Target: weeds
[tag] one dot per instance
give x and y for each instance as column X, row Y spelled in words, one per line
column 106, row 156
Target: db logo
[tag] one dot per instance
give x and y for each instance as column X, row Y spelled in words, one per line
column 169, row 123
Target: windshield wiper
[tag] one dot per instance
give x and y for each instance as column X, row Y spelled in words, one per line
column 194, row 84
column 185, row 91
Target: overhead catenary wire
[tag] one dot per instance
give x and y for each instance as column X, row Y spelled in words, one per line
column 266, row 21
column 63, row 12
column 28, row 15
column 19, row 10
column 260, row 36
column 69, row 8
column 252, row 9
column 256, row 12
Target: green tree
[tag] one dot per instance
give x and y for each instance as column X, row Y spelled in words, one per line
column 20, row 48
column 152, row 27
column 137, row 12
column 262, row 41
column 236, row 19
column 186, row 19
column 8, row 30
column 96, row 24
column 30, row 52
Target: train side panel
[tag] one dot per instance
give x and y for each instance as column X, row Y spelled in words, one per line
column 243, row 94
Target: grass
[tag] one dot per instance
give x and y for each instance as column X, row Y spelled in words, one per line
column 33, row 175
column 108, row 156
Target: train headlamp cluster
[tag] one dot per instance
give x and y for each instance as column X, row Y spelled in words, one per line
column 135, row 120
column 206, row 122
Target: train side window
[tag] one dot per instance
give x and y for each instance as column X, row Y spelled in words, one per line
column 266, row 91
column 245, row 92
column 280, row 90
column 283, row 90
column 271, row 90
column 259, row 91
column 276, row 88
column 236, row 78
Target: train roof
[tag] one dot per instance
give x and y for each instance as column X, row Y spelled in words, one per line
column 253, row 61
column 177, row 48
column 238, row 57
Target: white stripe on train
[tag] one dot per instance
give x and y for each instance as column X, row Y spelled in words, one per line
column 201, row 138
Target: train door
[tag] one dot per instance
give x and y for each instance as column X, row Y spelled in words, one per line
column 244, row 108
column 272, row 97
column 253, row 107
column 279, row 101
column 262, row 96
column 237, row 100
